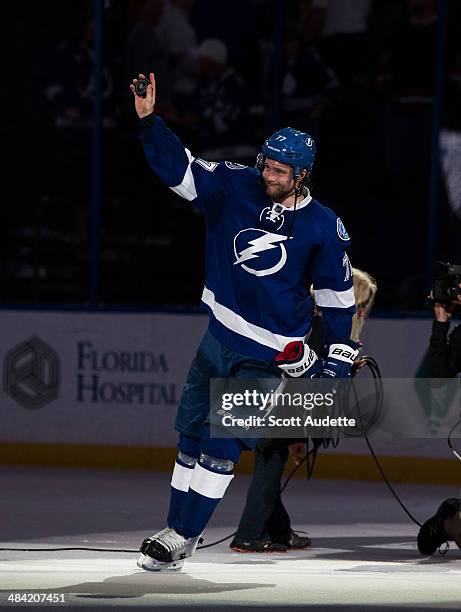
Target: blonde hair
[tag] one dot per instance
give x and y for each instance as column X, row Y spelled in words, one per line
column 365, row 289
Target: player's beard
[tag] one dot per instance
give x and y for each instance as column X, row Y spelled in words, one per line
column 278, row 193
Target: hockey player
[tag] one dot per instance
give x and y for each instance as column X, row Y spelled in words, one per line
column 266, row 239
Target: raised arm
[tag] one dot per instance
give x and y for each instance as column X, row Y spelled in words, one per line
column 194, row 179
column 144, row 106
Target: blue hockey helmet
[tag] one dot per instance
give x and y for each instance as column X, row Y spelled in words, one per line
column 290, row 147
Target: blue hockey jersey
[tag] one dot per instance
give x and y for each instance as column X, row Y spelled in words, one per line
column 260, row 256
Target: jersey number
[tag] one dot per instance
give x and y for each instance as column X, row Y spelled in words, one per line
column 207, row 165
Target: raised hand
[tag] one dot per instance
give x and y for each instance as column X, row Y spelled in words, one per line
column 444, row 312
column 144, row 106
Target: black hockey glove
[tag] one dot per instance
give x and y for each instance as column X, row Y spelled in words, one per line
column 340, row 359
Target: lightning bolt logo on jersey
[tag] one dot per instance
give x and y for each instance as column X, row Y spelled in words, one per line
column 259, row 244
column 256, row 279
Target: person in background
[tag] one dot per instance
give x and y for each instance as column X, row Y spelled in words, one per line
column 265, row 524
column 309, row 86
column 222, row 129
column 443, row 361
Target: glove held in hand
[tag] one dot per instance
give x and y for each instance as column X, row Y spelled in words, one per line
column 296, row 359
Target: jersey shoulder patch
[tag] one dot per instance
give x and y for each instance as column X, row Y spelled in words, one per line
column 233, row 166
column 341, row 230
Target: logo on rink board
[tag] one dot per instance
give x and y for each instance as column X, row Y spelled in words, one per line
column 31, row 373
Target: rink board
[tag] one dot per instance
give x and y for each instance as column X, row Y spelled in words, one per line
column 101, row 389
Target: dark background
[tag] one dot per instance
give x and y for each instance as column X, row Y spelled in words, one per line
column 367, row 96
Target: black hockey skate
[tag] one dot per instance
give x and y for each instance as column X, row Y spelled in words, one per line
column 166, row 551
column 432, row 533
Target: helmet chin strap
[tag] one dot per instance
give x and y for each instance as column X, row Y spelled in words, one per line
column 290, row 194
column 296, row 191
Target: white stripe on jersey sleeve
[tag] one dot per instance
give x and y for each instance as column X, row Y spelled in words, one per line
column 187, row 189
column 328, row 298
column 237, row 324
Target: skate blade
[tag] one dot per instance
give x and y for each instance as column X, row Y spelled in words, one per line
column 151, row 565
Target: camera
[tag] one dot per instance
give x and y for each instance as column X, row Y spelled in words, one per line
column 141, row 87
column 447, row 278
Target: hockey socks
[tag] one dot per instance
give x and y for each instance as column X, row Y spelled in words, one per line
column 182, row 475
column 210, row 479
